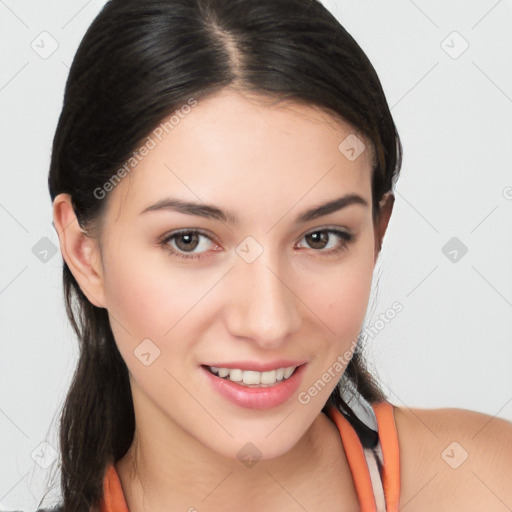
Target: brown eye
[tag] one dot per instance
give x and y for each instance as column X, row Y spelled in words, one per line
column 186, row 241
column 334, row 240
column 318, row 239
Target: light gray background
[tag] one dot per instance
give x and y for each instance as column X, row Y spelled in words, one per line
column 451, row 344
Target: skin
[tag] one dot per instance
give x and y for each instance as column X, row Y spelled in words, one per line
column 478, row 475
column 292, row 302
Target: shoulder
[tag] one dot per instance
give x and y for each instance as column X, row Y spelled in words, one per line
column 457, row 457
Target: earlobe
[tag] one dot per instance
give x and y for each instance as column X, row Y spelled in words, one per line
column 79, row 251
column 386, row 208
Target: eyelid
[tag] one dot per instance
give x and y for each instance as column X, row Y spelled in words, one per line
column 177, row 232
column 343, row 229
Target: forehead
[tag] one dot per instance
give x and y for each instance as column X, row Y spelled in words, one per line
column 246, row 151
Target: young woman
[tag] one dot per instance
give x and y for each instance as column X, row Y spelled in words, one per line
column 222, row 178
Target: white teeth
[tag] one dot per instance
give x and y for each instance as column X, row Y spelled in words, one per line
column 235, row 375
column 223, row 372
column 252, row 378
column 288, row 372
column 268, row 377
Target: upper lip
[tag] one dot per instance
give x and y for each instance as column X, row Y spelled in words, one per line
column 258, row 366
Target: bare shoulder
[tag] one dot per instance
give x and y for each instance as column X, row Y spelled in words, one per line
column 455, row 459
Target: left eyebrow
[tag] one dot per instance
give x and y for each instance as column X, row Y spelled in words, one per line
column 213, row 212
column 331, row 207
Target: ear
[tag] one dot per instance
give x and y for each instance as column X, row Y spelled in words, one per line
column 386, row 207
column 79, row 251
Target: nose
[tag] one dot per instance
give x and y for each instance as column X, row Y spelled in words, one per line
column 263, row 305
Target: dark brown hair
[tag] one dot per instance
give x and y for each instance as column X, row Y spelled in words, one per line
column 139, row 61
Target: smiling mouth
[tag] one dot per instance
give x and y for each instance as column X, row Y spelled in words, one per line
column 250, row 378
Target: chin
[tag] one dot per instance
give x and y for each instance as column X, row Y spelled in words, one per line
column 249, row 452
column 263, row 440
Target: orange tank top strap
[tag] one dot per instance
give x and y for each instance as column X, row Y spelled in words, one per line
column 113, row 497
column 375, row 471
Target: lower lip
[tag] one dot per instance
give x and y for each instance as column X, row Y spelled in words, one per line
column 257, row 398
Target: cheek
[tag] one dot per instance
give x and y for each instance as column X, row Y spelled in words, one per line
column 146, row 297
column 350, row 299
column 346, row 293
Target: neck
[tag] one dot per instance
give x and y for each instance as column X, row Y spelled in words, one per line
column 191, row 477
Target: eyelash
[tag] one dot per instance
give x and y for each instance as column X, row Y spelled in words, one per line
column 346, row 238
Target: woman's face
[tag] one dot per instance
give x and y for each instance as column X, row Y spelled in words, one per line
column 267, row 291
